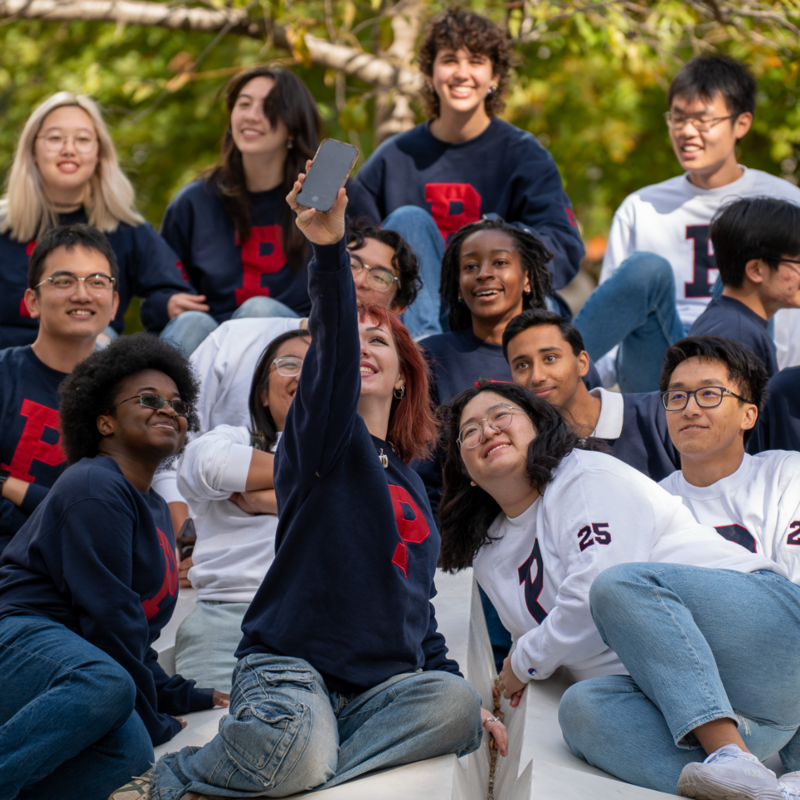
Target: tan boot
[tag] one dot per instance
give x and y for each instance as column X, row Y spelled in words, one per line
column 137, row 789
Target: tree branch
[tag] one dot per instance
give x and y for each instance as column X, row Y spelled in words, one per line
column 352, row 61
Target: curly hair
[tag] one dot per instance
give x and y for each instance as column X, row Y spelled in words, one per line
column 534, row 259
column 465, row 511
column 403, row 260
column 457, row 28
column 91, row 389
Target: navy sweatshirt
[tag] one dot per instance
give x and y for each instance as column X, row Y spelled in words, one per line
column 458, row 359
column 98, row 556
column 356, row 546
column 218, row 265
column 644, row 442
column 147, row 269
column 30, row 435
column 726, row 316
column 502, row 171
column 778, row 426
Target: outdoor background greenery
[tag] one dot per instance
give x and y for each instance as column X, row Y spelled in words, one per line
column 590, row 84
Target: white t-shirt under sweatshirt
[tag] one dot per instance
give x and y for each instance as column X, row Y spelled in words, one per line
column 757, row 506
column 234, row 549
column 672, row 219
column 596, row 512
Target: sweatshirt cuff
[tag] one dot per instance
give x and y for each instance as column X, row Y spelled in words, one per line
column 201, row 699
column 330, row 257
column 33, row 496
column 518, row 669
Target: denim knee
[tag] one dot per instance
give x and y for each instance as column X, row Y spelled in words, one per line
column 646, row 269
column 109, row 691
column 263, row 306
column 459, row 703
column 576, row 716
column 410, row 218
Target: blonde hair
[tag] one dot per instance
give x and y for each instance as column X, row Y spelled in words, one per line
column 25, row 211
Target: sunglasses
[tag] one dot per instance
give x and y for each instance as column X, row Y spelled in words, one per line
column 156, row 402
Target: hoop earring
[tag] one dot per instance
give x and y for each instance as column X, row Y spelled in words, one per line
column 402, row 392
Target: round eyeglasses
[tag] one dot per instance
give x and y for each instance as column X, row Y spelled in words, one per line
column 156, row 402
column 288, row 366
column 378, row 278
column 54, row 142
column 707, row 397
column 498, row 419
column 66, row 283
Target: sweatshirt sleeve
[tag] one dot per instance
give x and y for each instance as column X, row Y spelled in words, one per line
column 320, row 421
column 157, row 277
column 620, row 242
column 96, row 571
column 591, row 532
column 785, row 545
column 434, row 647
column 547, row 212
column 177, row 228
column 176, row 694
column 215, row 465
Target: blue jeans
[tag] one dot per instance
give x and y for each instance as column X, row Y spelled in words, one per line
column 189, row 329
column 67, row 724
column 426, row 315
column 288, row 733
column 635, row 309
column 700, row 644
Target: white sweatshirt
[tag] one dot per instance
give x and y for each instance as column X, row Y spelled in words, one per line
column 225, row 362
column 672, row 219
column 234, row 549
column 596, row 512
column 757, row 506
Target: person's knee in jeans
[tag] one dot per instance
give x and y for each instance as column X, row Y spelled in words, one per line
column 187, row 330
column 461, row 705
column 263, row 306
column 109, row 691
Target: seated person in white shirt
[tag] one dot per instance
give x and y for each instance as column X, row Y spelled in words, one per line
column 713, row 390
column 547, row 357
column 686, row 661
column 225, row 475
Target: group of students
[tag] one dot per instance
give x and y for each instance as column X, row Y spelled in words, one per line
column 315, row 477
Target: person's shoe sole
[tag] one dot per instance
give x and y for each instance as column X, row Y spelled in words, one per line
column 696, row 783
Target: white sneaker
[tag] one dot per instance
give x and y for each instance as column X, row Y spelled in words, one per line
column 790, row 785
column 729, row 774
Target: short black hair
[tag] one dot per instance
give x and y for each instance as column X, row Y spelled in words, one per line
column 403, row 260
column 744, row 366
column 70, row 237
column 534, row 260
column 754, row 227
column 263, row 428
column 537, row 318
column 710, row 75
column 90, row 390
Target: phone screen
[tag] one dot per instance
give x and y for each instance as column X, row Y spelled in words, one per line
column 327, row 174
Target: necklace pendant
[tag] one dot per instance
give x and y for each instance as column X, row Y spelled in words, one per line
column 383, row 459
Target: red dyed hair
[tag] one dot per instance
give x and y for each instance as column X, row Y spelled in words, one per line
column 412, row 429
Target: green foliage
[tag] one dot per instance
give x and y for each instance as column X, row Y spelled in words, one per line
column 590, row 83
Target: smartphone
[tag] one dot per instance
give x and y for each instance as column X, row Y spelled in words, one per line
column 327, row 174
column 186, row 539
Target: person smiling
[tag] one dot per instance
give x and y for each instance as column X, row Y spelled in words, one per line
column 661, row 649
column 429, row 182
column 340, row 642
column 659, row 269
column 90, row 580
column 226, row 476
column 547, row 357
column 231, row 228
column 65, row 171
column 72, row 276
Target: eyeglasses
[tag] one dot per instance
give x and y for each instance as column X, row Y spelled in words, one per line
column 288, row 366
column 66, row 283
column 707, row 397
column 678, row 121
column 156, row 402
column 472, row 434
column 54, row 142
column 378, row 278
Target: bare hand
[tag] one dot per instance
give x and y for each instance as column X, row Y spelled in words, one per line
column 262, row 501
column 183, row 573
column 183, row 301
column 14, row 489
column 317, row 227
column 509, row 684
column 221, row 699
column 497, row 731
column 182, row 721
